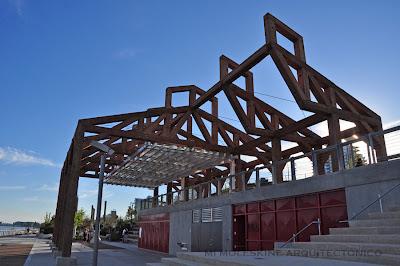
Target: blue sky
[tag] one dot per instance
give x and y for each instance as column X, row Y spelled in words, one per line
column 65, row 60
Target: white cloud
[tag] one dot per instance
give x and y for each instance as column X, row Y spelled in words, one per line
column 87, row 193
column 46, row 187
column 38, row 199
column 92, row 193
column 31, row 199
column 8, row 188
column 125, row 53
column 11, row 155
column 18, row 5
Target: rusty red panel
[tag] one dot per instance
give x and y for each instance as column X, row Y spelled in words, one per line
column 304, row 217
column 330, row 198
column 330, row 217
column 278, row 220
column 307, row 201
column 267, row 245
column 253, row 245
column 285, row 204
column 155, row 232
column 166, row 237
column 239, row 209
column 268, row 226
column 267, row 206
column 286, row 225
column 239, row 235
column 253, row 227
column 154, row 217
column 253, row 207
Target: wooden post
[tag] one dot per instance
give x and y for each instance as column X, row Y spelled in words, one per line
column 155, row 197
column 314, row 158
column 72, row 197
column 169, row 193
column 60, row 209
column 232, row 180
column 219, row 187
column 277, row 175
column 258, row 182
column 185, row 190
column 293, row 169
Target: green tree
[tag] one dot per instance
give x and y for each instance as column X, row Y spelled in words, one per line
column 47, row 218
column 131, row 213
column 47, row 226
column 356, row 158
column 79, row 217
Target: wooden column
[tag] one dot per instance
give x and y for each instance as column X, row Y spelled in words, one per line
column 276, row 152
column 72, row 197
column 169, row 193
column 155, row 196
column 219, row 186
column 334, row 139
column 232, row 180
column 185, row 191
column 60, row 199
column 380, row 146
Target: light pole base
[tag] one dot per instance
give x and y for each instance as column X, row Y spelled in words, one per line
column 66, row 261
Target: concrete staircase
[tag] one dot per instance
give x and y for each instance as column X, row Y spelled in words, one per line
column 375, row 239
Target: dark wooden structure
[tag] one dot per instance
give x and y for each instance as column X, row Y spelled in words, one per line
column 125, row 133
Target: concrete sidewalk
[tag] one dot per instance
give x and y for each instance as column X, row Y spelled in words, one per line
column 128, row 254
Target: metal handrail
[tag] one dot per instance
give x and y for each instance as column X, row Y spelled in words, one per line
column 318, row 222
column 369, row 205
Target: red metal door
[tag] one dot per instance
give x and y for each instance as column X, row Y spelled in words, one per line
column 257, row 225
column 154, row 232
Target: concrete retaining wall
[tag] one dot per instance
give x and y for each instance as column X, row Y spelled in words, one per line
column 362, row 185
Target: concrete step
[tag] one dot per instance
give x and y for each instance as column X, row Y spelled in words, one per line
column 384, row 215
column 365, row 230
column 381, row 248
column 346, row 255
column 180, row 262
column 374, row 222
column 379, row 239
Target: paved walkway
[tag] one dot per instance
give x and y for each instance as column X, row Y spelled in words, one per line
column 127, row 254
column 14, row 250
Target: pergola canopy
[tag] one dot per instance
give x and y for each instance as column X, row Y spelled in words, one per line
column 156, row 164
column 260, row 133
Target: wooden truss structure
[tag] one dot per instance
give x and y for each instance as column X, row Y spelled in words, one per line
column 126, row 133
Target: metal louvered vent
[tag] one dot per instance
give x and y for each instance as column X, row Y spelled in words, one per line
column 196, row 216
column 217, row 214
column 206, row 215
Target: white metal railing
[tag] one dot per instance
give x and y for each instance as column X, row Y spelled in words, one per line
column 293, row 238
column 13, row 232
column 351, row 153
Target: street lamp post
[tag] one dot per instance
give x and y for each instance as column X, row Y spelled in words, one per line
column 105, row 151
